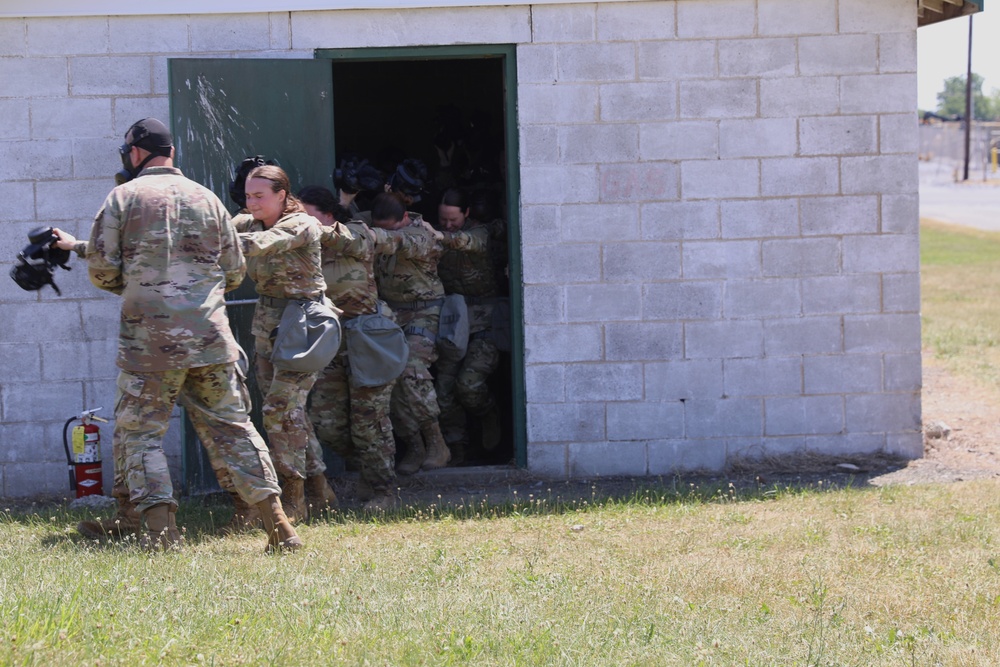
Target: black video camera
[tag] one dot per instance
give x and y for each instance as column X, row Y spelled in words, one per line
column 36, row 261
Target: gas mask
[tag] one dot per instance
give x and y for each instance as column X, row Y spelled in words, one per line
column 128, row 171
column 33, row 270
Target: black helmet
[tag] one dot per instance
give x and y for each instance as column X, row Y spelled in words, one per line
column 237, row 187
column 409, row 177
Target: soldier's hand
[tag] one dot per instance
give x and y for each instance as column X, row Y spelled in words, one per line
column 435, row 233
column 64, row 240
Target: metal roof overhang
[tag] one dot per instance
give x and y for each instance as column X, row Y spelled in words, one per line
column 933, row 11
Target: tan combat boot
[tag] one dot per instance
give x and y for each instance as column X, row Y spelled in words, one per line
column 293, row 498
column 161, row 529
column 245, row 517
column 319, row 493
column 281, row 535
column 414, row 457
column 126, row 521
column 438, row 454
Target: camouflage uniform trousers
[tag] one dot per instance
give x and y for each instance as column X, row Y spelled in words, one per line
column 462, row 385
column 414, row 401
column 354, row 422
column 217, row 403
column 286, row 422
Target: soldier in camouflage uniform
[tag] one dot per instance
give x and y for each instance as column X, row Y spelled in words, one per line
column 282, row 245
column 466, row 268
column 409, row 283
column 353, row 420
column 166, row 245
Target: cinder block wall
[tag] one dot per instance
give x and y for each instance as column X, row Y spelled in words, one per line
column 718, row 218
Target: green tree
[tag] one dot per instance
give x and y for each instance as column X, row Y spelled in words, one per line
column 951, row 100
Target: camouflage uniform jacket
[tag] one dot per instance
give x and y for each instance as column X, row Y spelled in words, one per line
column 349, row 253
column 466, row 268
column 283, row 261
column 166, row 245
column 411, row 273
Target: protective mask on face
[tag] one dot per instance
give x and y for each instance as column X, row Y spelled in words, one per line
column 128, row 171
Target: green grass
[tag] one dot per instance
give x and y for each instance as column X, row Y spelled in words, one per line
column 778, row 576
column 960, row 285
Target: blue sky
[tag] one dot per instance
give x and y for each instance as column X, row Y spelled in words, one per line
column 942, row 51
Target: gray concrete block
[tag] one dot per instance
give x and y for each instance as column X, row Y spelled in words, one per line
column 229, row 32
column 880, row 253
column 566, row 422
column 885, row 16
column 721, row 259
column 742, row 417
column 34, row 442
column 670, row 457
column 648, row 261
column 645, row 421
column 548, row 460
column 762, row 298
column 804, row 415
column 539, row 224
column 799, row 96
column 536, row 63
column 892, row 174
column 882, row 333
column 18, row 205
column 901, row 293
column 556, row 103
column 606, row 459
column 559, row 184
column 838, row 135
column 645, row 181
column 777, row 17
column 149, row 34
column 843, row 374
column 803, row 335
column 686, row 300
column 87, row 196
column 905, row 445
column 21, row 404
column 111, row 75
column 603, row 303
column 638, row 101
column 643, row 341
column 13, row 37
column 58, row 36
column 604, row 382
column 757, row 57
column 719, row 179
column 34, row 77
column 38, row 160
column 846, row 444
column 28, row 480
column 673, row 60
column 782, row 177
column 573, row 342
column 102, row 393
column 898, row 133
column 765, row 137
column 599, row 143
column 878, row 93
column 599, row 222
column 539, row 144
column 716, row 18
column 730, row 339
column 635, row 20
column 756, row 449
column 544, row 304
column 128, row 110
column 839, row 215
column 760, row 218
column 835, row 295
column 567, row 263
column 280, row 27
column 92, row 158
column 101, row 318
column 671, row 221
column 681, row 380
column 801, row 257
column 545, row 383
column 719, row 98
column 838, row 54
column 16, row 117
column 771, row 376
column 600, row 61
column 883, row 413
column 563, row 23
column 22, row 321
column 76, row 360
column 29, row 361
column 897, row 51
column 679, row 141
column 903, row 372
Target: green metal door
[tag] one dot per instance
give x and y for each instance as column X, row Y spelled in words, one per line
column 224, row 110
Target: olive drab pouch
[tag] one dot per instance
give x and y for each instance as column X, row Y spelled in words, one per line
column 376, row 349
column 453, row 326
column 308, row 336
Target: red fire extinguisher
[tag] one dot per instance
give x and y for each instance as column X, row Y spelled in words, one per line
column 83, row 454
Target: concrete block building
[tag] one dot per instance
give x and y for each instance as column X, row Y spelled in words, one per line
column 712, row 204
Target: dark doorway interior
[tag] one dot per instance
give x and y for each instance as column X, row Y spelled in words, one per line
column 449, row 113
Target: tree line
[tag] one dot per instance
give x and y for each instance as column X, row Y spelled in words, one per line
column 951, row 100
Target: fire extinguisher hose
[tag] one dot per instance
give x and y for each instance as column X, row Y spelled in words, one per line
column 69, row 459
